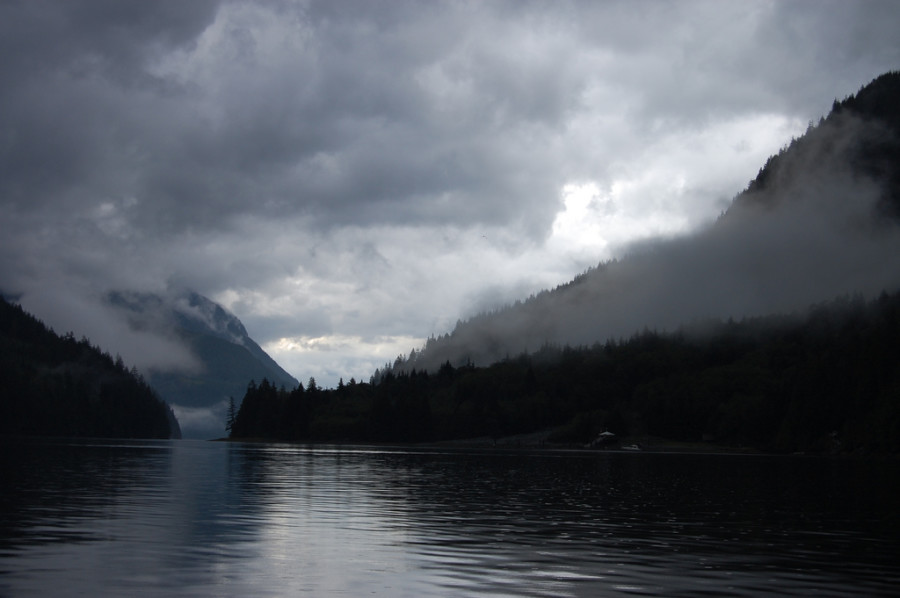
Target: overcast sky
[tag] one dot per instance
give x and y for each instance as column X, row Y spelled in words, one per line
column 350, row 178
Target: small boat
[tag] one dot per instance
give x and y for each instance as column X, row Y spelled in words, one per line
column 631, row 447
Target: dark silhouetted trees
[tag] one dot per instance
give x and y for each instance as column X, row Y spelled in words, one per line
column 59, row 386
column 825, row 381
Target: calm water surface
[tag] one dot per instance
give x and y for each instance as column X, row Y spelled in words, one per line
column 190, row 518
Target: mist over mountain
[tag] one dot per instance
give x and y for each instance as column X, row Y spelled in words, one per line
column 819, row 221
column 225, row 358
column 53, row 385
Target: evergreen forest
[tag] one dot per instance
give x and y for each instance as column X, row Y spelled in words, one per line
column 53, row 385
column 852, row 151
column 825, row 381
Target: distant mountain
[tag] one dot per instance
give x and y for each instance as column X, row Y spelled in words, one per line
column 228, row 357
column 819, row 221
column 59, row 386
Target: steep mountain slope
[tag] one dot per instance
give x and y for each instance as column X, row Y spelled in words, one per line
column 59, row 386
column 820, row 220
column 228, row 357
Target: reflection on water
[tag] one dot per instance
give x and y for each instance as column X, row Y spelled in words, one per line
column 188, row 518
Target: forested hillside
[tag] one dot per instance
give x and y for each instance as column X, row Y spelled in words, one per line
column 820, row 220
column 60, row 386
column 227, row 357
column 712, row 363
column 824, row 381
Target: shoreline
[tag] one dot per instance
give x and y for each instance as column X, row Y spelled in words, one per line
column 537, row 441
column 628, row 444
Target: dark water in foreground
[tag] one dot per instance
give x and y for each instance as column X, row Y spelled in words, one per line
column 188, row 518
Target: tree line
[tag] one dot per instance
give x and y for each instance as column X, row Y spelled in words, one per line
column 53, row 385
column 860, row 136
column 822, row 381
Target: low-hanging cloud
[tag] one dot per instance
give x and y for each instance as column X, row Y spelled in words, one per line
column 149, row 346
column 341, row 170
column 818, row 231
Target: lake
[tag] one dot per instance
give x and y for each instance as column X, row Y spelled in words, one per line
column 193, row 518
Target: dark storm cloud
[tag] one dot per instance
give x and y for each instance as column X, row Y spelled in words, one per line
column 344, row 112
column 82, row 36
column 254, row 150
column 74, row 100
column 336, row 125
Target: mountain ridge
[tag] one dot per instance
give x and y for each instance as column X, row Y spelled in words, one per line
column 832, row 194
column 228, row 358
column 777, row 328
column 823, row 381
column 53, row 385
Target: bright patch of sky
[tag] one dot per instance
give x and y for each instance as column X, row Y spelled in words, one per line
column 350, row 178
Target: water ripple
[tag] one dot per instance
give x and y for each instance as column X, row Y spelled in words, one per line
column 197, row 519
